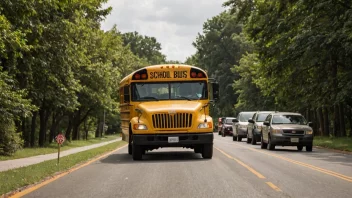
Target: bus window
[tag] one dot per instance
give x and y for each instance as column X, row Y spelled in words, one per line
column 169, row 91
column 126, row 94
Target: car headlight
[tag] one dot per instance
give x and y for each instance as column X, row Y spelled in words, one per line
column 309, row 132
column 276, row 131
column 140, row 127
column 205, row 125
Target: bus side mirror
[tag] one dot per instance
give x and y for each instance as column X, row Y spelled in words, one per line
column 215, row 87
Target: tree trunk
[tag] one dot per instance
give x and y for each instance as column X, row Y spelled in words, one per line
column 55, row 124
column 97, row 132
column 42, row 128
column 25, row 132
column 85, row 130
column 326, row 122
column 76, row 120
column 342, row 120
column 33, row 128
column 349, row 112
column 69, row 128
column 336, row 121
column 321, row 121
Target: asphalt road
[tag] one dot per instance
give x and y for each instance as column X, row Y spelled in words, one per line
column 236, row 170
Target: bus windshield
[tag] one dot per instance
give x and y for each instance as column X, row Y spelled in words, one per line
column 155, row 91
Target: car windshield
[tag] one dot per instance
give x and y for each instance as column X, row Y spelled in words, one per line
column 261, row 117
column 289, row 119
column 228, row 121
column 169, row 91
column 245, row 116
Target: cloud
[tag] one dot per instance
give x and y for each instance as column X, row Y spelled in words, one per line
column 174, row 23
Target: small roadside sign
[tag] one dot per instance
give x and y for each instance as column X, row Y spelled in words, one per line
column 60, row 139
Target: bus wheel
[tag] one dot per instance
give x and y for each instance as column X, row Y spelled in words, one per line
column 130, row 148
column 207, row 152
column 136, row 152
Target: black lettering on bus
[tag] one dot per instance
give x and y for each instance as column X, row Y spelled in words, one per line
column 151, row 75
column 180, row 74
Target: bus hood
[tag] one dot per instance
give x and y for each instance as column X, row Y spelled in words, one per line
column 170, row 106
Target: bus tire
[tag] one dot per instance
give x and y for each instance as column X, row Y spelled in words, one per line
column 136, row 152
column 129, row 148
column 207, row 152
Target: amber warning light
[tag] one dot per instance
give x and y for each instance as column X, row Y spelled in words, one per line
column 196, row 73
column 140, row 75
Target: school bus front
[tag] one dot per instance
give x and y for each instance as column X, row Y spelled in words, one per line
column 168, row 106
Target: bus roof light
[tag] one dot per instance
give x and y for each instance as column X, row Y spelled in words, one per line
column 144, row 76
column 193, row 74
column 200, row 75
column 137, row 76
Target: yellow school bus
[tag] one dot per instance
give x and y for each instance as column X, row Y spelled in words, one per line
column 167, row 106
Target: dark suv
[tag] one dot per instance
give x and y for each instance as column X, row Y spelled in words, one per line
column 287, row 129
column 254, row 127
column 227, row 126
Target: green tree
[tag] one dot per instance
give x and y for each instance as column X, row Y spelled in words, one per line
column 144, row 47
column 219, row 48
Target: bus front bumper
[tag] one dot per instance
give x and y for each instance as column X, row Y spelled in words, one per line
column 174, row 140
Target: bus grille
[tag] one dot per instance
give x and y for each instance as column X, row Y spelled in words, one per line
column 167, row 121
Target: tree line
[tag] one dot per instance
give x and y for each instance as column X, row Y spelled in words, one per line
column 59, row 71
column 282, row 55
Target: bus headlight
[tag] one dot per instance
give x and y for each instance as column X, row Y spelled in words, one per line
column 205, row 125
column 140, row 127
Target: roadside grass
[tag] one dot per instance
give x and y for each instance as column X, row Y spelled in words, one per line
column 341, row 143
column 52, row 148
column 20, row 177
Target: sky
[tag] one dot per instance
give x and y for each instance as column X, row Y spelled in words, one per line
column 174, row 23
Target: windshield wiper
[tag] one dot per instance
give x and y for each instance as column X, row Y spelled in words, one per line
column 150, row 97
column 184, row 97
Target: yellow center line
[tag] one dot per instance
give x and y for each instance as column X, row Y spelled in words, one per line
column 273, row 186
column 328, row 172
column 243, row 164
column 37, row 186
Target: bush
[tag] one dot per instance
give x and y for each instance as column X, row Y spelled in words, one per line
column 10, row 141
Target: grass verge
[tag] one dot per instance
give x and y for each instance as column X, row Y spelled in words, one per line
column 342, row 143
column 52, row 148
column 20, row 177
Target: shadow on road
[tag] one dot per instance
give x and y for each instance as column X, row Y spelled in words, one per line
column 155, row 157
column 319, row 154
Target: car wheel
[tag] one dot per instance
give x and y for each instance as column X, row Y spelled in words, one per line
column 129, row 148
column 254, row 140
column 309, row 148
column 299, row 147
column 262, row 144
column 207, row 152
column 248, row 140
column 234, row 138
column 271, row 146
column 239, row 139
